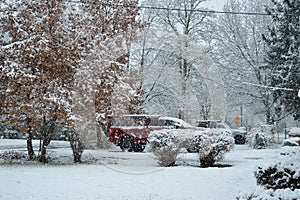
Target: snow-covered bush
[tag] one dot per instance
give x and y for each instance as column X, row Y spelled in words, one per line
column 260, row 137
column 194, row 145
column 279, row 179
column 281, row 175
column 213, row 145
column 280, row 194
column 259, row 141
column 12, row 155
column 165, row 146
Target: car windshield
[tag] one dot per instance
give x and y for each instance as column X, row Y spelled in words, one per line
column 207, row 123
column 223, row 125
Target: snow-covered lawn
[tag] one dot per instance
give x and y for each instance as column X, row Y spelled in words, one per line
column 132, row 176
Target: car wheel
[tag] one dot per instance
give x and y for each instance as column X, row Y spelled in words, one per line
column 239, row 139
column 138, row 147
column 126, row 143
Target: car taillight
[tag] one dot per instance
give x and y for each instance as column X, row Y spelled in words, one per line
column 110, row 132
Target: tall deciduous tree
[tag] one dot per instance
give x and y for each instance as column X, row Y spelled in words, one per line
column 283, row 55
column 55, row 54
column 109, row 27
column 37, row 68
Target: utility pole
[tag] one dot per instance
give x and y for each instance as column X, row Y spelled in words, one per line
column 241, row 115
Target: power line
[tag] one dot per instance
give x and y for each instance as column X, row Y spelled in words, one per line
column 269, row 87
column 168, row 9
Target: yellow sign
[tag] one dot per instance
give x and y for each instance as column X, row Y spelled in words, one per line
column 237, row 121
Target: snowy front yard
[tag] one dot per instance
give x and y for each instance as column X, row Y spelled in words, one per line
column 133, row 176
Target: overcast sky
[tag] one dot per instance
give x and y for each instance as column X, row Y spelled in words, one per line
column 211, row 4
column 215, row 4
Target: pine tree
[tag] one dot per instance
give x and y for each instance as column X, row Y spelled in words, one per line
column 283, row 55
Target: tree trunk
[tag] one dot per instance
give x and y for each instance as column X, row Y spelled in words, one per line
column 77, row 146
column 77, row 156
column 184, row 69
column 43, row 155
column 29, row 145
column 47, row 134
column 30, row 150
column 207, row 161
column 46, row 142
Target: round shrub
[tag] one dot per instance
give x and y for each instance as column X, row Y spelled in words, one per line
column 280, row 179
column 165, row 146
column 213, row 146
column 281, row 175
column 261, row 137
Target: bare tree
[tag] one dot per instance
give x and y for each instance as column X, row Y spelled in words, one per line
column 171, row 49
column 238, row 49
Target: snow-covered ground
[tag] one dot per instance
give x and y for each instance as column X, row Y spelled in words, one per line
column 133, row 176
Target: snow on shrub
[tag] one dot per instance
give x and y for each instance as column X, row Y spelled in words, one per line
column 165, row 146
column 194, row 145
column 260, row 137
column 12, row 155
column 213, row 146
column 280, row 194
column 259, row 141
column 280, row 179
column 281, row 175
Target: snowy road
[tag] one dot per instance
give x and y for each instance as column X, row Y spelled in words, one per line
column 10, row 144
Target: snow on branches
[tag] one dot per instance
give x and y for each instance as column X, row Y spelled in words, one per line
column 55, row 55
column 283, row 55
column 280, row 178
column 211, row 144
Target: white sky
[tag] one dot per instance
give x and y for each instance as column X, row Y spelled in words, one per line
column 215, row 4
column 211, row 4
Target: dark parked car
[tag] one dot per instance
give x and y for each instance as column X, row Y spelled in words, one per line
column 207, row 123
column 293, row 141
column 238, row 134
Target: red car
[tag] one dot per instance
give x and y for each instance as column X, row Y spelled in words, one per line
column 294, row 132
column 130, row 132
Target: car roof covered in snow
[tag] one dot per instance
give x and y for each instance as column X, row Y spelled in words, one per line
column 295, row 130
column 180, row 121
column 141, row 116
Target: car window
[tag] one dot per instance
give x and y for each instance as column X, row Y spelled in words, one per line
column 137, row 121
column 207, row 124
column 169, row 123
column 156, row 122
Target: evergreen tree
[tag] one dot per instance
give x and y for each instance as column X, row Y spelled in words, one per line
column 283, row 55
